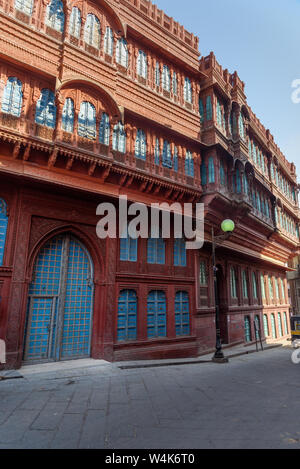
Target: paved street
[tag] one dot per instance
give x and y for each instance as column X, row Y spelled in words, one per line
column 251, row 402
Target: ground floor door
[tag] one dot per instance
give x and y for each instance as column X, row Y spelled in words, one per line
column 60, row 302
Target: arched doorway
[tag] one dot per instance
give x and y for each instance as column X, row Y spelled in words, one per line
column 60, row 302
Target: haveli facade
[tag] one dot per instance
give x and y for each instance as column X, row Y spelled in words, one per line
column 106, row 98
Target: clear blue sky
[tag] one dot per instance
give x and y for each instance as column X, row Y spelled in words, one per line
column 261, row 40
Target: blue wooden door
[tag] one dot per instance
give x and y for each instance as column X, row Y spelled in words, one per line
column 60, row 302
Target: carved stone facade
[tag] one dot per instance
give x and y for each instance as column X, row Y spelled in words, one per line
column 52, row 177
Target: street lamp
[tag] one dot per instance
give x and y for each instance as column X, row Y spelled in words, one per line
column 227, row 227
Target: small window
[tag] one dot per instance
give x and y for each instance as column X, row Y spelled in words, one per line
column 203, row 174
column 127, row 316
column 140, row 145
column 167, row 156
column 157, row 74
column 104, row 130
column 67, row 123
column 273, row 324
column 109, row 41
column 12, row 97
column 119, row 138
column 175, row 159
column 156, row 314
column 208, row 108
column 55, row 17
column 3, row 228
column 87, row 120
column 142, row 67
column 266, row 326
column 92, row 31
column 201, row 110
column 280, row 325
column 75, row 22
column 188, row 96
column 248, row 336
column 233, row 283
column 155, row 251
column 189, row 164
column 254, row 285
column 245, row 284
column 166, row 78
column 128, row 248
column 271, row 288
column 179, row 252
column 174, row 84
column 26, row 6
column 157, row 152
column 122, row 52
column 182, row 313
column 45, row 113
column 211, row 170
column 202, row 274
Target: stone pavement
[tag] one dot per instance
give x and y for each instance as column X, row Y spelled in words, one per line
column 251, row 402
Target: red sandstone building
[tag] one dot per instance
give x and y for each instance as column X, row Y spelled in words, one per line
column 106, row 98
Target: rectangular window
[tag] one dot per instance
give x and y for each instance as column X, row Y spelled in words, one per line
column 202, row 273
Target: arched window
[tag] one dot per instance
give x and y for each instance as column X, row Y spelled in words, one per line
column 55, row 17
column 222, row 174
column 203, row 174
column 155, row 251
column 67, row 122
column 282, row 290
column 109, row 41
column 175, row 84
column 286, row 331
column 273, row 325
column 233, row 124
column 246, row 185
column 245, row 284
column 257, row 326
column 87, row 120
column 189, row 164
column 277, row 288
column 128, row 247
column 156, row 314
column 238, row 186
column 233, row 283
column 75, row 22
column 157, row 152
column 271, row 288
column 92, row 31
column 122, row 52
column 279, row 325
column 208, row 109
column 45, row 113
column 201, row 110
column 254, row 285
column 182, row 313
column 140, row 145
column 211, row 170
column 127, row 315
column 166, row 78
column 263, row 289
column 26, row 6
column 241, row 126
column 167, row 156
column 142, row 68
column 179, row 252
column 247, row 329
column 119, row 138
column 3, row 228
column 104, row 130
column 157, row 74
column 12, row 97
column 175, row 159
column 266, row 326
column 188, row 96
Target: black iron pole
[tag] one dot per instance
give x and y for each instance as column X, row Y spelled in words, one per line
column 218, row 356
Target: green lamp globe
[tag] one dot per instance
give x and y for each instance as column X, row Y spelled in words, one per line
column 227, row 226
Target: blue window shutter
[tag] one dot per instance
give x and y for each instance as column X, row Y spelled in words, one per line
column 211, row 170
column 3, row 228
column 157, row 152
column 166, row 157
column 238, row 181
column 67, row 123
column 182, row 313
column 127, row 316
column 155, row 251
column 12, row 97
column 128, row 248
column 208, row 108
column 156, row 314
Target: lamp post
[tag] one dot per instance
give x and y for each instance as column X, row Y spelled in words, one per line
column 227, row 227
